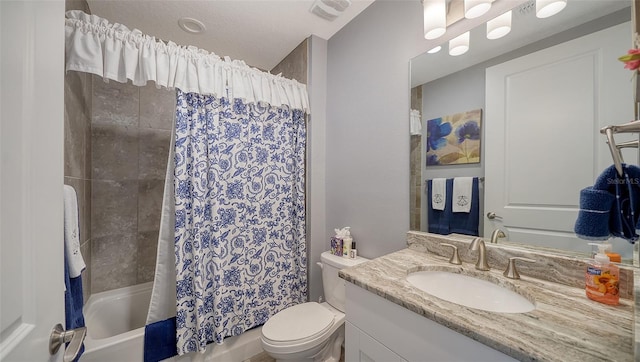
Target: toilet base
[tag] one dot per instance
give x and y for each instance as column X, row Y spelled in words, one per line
column 328, row 351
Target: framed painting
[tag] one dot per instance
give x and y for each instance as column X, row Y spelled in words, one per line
column 454, row 139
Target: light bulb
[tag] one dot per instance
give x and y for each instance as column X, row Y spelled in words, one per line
column 435, row 50
column 499, row 26
column 476, row 8
column 459, row 45
column 435, row 18
column 547, row 8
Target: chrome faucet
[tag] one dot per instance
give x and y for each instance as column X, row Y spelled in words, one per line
column 497, row 233
column 478, row 244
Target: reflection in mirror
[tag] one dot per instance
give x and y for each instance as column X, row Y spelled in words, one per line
column 545, row 90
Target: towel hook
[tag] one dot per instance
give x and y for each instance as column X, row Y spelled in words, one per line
column 615, row 152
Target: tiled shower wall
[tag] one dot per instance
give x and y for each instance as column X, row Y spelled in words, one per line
column 295, row 64
column 130, row 137
column 416, row 184
column 77, row 150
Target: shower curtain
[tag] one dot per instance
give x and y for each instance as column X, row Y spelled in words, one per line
column 232, row 248
column 239, row 216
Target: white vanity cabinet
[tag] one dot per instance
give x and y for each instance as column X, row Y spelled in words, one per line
column 382, row 331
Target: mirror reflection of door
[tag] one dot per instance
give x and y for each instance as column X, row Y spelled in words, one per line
column 543, row 113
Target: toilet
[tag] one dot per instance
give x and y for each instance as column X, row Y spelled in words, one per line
column 312, row 331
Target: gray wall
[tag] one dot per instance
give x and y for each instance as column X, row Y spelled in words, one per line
column 460, row 92
column 131, row 132
column 367, row 131
column 317, row 146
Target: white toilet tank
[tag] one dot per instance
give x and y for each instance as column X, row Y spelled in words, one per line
column 334, row 286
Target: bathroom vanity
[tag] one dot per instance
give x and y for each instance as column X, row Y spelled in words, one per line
column 389, row 319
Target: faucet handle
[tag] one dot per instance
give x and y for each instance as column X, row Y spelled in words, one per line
column 512, row 271
column 455, row 258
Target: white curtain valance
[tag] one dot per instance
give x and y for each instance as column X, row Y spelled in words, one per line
column 93, row 45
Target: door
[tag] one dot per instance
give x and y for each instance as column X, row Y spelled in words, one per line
column 31, row 177
column 543, row 115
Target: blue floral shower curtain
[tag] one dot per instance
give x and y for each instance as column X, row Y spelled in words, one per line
column 240, row 216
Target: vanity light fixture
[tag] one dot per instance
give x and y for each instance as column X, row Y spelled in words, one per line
column 459, row 45
column 499, row 26
column 435, row 18
column 476, row 8
column 547, row 8
column 434, row 50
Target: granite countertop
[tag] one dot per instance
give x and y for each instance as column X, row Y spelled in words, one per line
column 565, row 326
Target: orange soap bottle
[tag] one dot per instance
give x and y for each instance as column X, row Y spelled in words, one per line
column 602, row 279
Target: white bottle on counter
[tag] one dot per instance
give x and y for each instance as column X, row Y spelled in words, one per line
column 346, row 243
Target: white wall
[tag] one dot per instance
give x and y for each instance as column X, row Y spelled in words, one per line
column 316, row 159
column 367, row 134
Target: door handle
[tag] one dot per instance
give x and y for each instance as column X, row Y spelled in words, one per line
column 74, row 337
column 492, row 215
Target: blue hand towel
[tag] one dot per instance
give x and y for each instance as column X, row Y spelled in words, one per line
column 593, row 217
column 439, row 219
column 611, row 206
column 73, row 303
column 160, row 340
column 462, row 222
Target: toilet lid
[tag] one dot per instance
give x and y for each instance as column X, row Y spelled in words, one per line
column 300, row 322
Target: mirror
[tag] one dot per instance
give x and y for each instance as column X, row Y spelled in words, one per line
column 444, row 85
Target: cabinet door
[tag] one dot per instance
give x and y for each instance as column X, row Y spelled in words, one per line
column 360, row 347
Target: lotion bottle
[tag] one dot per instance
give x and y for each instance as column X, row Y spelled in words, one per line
column 346, row 243
column 601, row 278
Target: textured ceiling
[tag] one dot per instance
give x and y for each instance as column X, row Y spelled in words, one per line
column 260, row 32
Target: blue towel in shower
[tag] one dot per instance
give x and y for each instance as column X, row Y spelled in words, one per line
column 73, row 303
column 438, row 220
column 611, row 207
column 160, row 340
column 462, row 222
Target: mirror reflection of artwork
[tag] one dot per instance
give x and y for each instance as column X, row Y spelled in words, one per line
column 454, row 139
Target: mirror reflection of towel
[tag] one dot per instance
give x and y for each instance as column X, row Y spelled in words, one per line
column 439, row 193
column 468, row 223
column 462, row 194
column 445, row 222
column 438, row 220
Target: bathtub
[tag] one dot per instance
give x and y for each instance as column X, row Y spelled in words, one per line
column 115, row 330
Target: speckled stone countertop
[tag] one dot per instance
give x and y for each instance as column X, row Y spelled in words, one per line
column 565, row 326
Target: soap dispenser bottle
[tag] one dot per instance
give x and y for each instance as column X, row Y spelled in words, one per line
column 602, row 278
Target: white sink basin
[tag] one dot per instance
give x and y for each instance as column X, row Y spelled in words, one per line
column 470, row 292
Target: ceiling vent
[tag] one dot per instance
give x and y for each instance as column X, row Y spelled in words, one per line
column 527, row 8
column 329, row 9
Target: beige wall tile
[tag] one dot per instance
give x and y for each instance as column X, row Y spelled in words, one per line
column 147, row 249
column 150, row 193
column 114, row 208
column 157, row 107
column 115, row 103
column 114, row 262
column 114, row 153
column 154, row 151
column 294, row 65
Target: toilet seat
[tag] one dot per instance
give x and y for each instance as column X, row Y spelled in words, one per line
column 298, row 325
